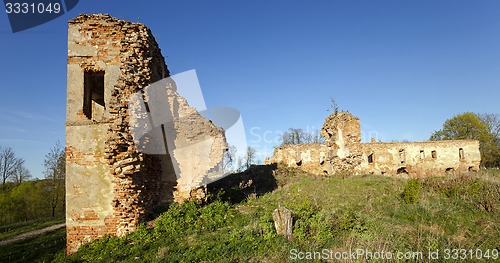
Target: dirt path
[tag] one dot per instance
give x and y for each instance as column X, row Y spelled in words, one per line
column 31, row 234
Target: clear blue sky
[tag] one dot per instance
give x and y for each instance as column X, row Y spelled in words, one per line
column 402, row 67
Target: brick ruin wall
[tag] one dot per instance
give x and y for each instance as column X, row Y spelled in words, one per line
column 420, row 158
column 342, row 134
column 111, row 185
column 310, row 157
column 344, row 152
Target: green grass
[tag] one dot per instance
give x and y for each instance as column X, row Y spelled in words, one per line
column 38, row 249
column 7, row 231
column 375, row 213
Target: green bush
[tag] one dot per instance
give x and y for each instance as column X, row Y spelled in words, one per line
column 178, row 219
column 216, row 215
column 321, row 227
column 411, row 191
column 266, row 227
column 351, row 222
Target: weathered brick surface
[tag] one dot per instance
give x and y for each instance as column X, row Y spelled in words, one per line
column 111, row 185
column 344, row 152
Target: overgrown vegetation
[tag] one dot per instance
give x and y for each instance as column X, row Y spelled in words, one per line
column 30, row 201
column 370, row 212
column 411, row 191
column 22, row 200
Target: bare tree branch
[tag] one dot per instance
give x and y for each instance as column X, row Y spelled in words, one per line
column 8, row 164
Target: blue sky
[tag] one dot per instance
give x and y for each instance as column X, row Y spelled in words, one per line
column 402, row 67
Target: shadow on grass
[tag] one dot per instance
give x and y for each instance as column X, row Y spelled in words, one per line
column 235, row 188
column 38, row 249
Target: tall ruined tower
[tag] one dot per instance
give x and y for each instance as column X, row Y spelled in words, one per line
column 342, row 134
column 109, row 189
column 111, row 184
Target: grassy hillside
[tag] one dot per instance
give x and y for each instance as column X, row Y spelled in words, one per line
column 7, row 231
column 41, row 248
column 341, row 213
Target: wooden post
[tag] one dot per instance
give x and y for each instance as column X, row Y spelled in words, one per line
column 283, row 221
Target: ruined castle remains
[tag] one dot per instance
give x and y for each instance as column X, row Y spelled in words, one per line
column 115, row 178
column 344, row 152
column 133, row 144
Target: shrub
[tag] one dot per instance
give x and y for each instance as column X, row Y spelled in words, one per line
column 411, row 191
column 216, row 215
column 178, row 219
column 321, row 225
column 266, row 227
column 191, row 217
column 350, row 221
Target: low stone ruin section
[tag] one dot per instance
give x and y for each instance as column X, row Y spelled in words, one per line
column 344, row 152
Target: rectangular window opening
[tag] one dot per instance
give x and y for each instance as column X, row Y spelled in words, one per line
column 370, row 158
column 93, row 94
column 434, row 154
column 422, row 154
column 461, row 153
column 402, row 155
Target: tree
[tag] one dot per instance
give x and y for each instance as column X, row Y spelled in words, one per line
column 55, row 174
column 21, row 174
column 465, row 126
column 316, row 137
column 470, row 126
column 8, row 164
column 239, row 165
column 229, row 158
column 24, row 202
column 493, row 122
column 333, row 106
column 293, row 136
column 250, row 156
column 299, row 136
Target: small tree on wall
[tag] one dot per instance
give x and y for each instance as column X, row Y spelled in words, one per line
column 333, row 106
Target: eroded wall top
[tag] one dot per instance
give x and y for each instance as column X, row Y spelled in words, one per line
column 344, row 152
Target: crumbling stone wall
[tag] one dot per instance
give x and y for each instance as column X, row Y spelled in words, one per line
column 420, row 158
column 342, row 135
column 346, row 153
column 111, row 184
column 310, row 157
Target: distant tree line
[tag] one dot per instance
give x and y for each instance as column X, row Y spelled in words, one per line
column 24, row 199
column 299, row 136
column 233, row 163
column 12, row 167
column 482, row 127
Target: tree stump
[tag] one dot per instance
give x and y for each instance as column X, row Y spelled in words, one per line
column 283, row 221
